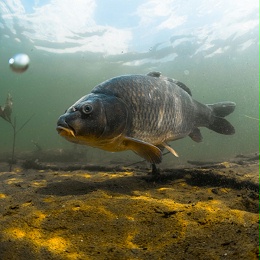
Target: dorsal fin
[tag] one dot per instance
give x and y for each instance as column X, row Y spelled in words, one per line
column 158, row 74
column 183, row 86
column 155, row 74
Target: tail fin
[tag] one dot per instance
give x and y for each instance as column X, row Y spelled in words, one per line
column 219, row 124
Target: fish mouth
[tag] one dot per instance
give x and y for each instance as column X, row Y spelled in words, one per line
column 65, row 131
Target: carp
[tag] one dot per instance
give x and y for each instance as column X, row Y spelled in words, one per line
column 141, row 113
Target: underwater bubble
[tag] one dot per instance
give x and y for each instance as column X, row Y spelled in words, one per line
column 19, row 62
column 186, row 72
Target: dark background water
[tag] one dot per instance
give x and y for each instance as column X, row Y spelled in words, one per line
column 214, row 52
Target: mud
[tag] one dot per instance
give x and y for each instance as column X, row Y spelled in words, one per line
column 62, row 211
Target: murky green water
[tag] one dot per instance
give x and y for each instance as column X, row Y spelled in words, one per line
column 215, row 53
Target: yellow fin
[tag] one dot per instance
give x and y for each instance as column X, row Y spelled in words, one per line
column 148, row 151
column 171, row 150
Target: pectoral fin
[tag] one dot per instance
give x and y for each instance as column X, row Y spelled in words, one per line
column 148, row 151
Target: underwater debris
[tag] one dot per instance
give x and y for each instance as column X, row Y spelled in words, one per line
column 38, row 147
column 6, row 110
column 5, row 113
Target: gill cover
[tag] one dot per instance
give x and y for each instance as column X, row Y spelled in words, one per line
column 117, row 117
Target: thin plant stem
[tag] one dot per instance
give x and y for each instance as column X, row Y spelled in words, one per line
column 15, row 132
column 13, row 147
column 26, row 122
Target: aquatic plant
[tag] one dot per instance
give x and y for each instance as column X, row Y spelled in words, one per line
column 5, row 113
column 251, row 117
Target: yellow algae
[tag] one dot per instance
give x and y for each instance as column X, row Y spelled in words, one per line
column 13, row 181
column 249, row 175
column 65, row 175
column 85, row 175
column 129, row 241
column 2, row 196
column 216, row 210
column 41, row 183
column 56, row 244
column 128, row 174
column 27, row 204
column 137, row 193
column 130, row 218
column 76, row 208
column 104, row 211
column 164, row 189
column 209, row 190
column 210, row 208
column 36, row 236
column 225, row 190
column 111, row 175
column 17, row 169
column 97, row 209
column 49, row 199
column 226, row 164
column 166, row 201
column 243, row 217
column 15, row 233
column 102, row 194
column 38, row 217
column 76, row 256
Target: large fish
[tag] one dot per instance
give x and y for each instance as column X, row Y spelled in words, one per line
column 141, row 113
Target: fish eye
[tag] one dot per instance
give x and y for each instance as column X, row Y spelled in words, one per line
column 87, row 109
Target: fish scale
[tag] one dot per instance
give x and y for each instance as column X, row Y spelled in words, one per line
column 145, row 110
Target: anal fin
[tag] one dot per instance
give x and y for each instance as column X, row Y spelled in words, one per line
column 146, row 150
column 171, row 150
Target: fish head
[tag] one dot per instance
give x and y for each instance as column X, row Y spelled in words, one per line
column 93, row 119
